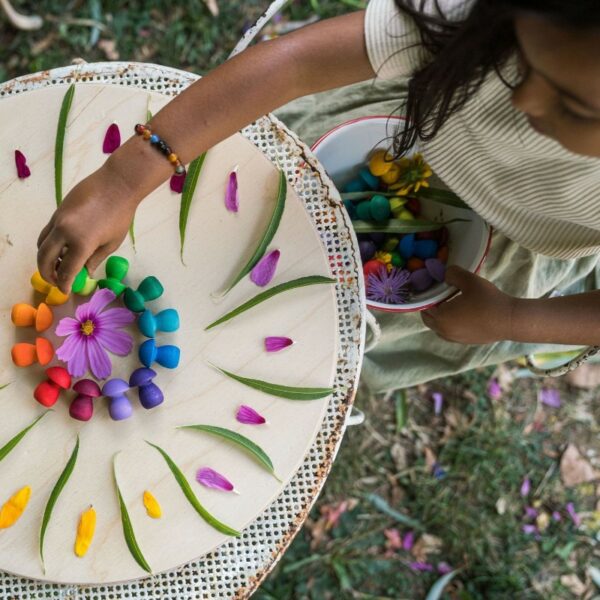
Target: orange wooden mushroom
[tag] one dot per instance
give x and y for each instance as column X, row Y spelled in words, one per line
column 24, row 355
column 25, row 315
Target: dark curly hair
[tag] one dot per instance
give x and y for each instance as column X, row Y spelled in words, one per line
column 464, row 52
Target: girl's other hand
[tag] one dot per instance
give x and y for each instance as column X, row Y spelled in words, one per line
column 479, row 314
column 89, row 225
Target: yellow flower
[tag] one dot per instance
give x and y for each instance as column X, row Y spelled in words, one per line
column 414, row 173
column 385, row 258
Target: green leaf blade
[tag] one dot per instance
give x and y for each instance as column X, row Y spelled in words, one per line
column 12, row 443
column 239, row 440
column 128, row 531
column 282, row 391
column 402, row 226
column 132, row 233
column 268, row 235
column 187, row 195
column 54, row 495
column 60, row 142
column 436, row 591
column 191, row 497
column 274, row 291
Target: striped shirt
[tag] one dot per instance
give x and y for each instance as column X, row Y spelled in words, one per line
column 526, row 185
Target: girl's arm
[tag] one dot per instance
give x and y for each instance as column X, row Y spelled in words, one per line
column 482, row 314
column 95, row 215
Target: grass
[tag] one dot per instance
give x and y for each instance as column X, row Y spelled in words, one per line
column 483, row 449
column 473, row 507
column 183, row 35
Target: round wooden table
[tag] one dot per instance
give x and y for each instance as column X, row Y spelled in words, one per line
column 315, row 237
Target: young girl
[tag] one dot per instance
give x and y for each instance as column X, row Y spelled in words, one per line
column 504, row 98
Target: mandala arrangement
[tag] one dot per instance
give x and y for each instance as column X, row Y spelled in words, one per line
column 80, row 369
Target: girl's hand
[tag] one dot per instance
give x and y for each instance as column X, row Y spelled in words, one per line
column 479, row 314
column 90, row 224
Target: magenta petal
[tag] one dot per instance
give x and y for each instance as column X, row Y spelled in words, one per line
column 112, row 139
column 408, row 541
column 276, row 343
column 550, row 397
column 232, row 202
column 117, row 342
column 100, row 364
column 443, row 568
column 493, row 389
column 264, row 270
column 177, row 182
column 248, row 416
column 525, row 487
column 211, row 479
column 438, row 402
column 67, row 326
column 573, row 514
column 21, row 163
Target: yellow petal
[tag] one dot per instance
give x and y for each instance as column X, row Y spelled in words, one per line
column 152, row 506
column 13, row 508
column 85, row 531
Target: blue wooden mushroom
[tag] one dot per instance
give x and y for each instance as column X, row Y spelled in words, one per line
column 167, row 356
column 150, row 394
column 166, row 320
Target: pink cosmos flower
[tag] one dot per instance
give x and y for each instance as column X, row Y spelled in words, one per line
column 91, row 333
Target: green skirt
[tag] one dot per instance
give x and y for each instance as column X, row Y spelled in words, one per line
column 407, row 352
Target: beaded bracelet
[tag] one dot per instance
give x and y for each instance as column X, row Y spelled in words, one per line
column 161, row 145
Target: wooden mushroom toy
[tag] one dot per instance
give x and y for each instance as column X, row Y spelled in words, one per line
column 82, row 406
column 47, row 392
column 120, row 407
column 150, row 394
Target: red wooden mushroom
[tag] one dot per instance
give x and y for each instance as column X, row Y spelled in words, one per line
column 46, row 393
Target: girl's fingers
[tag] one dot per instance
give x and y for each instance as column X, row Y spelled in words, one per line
column 95, row 259
column 48, row 254
column 71, row 263
column 44, row 233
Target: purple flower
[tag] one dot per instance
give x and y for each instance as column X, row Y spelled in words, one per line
column 248, row 416
column 550, row 397
column 438, row 402
column 556, row 516
column 493, row 389
column 421, row 566
column 232, row 202
column 390, row 288
column 529, row 529
column 408, row 541
column 21, row 164
column 91, row 333
column 277, row 343
column 112, row 139
column 570, row 507
column 211, row 479
column 525, row 487
column 264, row 269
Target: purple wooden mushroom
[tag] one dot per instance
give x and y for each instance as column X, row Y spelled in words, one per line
column 82, row 406
column 119, row 408
column 150, row 394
